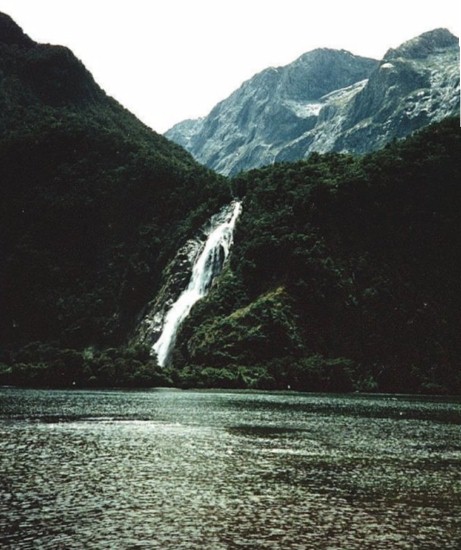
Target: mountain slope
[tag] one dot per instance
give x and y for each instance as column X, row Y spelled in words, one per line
column 249, row 127
column 344, row 275
column 328, row 101
column 92, row 202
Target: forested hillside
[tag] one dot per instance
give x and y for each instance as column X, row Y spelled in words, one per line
column 344, row 275
column 92, row 205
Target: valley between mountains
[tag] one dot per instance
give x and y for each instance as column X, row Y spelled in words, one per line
column 344, row 263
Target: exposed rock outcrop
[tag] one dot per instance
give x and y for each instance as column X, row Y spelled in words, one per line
column 328, row 100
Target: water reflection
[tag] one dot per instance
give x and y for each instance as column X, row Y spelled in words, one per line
column 228, row 470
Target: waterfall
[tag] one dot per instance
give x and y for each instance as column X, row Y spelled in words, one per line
column 207, row 265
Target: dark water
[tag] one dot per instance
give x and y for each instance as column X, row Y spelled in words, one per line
column 212, row 470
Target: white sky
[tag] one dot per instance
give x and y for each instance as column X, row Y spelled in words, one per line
column 167, row 60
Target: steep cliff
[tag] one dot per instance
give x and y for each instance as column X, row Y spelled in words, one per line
column 328, row 101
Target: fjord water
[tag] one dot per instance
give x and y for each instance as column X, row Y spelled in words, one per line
column 214, row 470
column 207, row 266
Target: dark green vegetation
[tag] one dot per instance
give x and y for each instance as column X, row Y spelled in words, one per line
column 345, row 275
column 45, row 365
column 92, row 205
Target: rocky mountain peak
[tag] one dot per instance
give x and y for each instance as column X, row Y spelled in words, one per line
column 328, row 100
column 323, row 70
column 423, row 45
column 11, row 33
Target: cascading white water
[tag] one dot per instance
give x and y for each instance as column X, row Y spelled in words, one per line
column 206, row 267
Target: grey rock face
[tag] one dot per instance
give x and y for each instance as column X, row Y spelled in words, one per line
column 328, row 100
column 251, row 126
column 176, row 277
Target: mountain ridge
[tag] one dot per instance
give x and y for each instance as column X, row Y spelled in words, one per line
column 11, row 33
column 258, row 125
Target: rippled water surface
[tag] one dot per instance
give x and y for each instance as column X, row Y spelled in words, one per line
column 215, row 470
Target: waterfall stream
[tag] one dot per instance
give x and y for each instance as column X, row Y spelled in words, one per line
column 206, row 267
